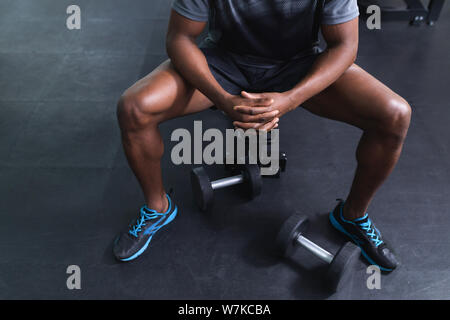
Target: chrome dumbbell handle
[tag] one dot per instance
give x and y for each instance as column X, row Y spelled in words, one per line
column 229, row 181
column 314, row 249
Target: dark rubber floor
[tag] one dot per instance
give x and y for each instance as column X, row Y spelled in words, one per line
column 66, row 189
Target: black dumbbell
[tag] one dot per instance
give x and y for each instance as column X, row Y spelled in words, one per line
column 340, row 265
column 203, row 188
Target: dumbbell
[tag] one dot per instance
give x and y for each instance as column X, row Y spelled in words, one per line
column 340, row 265
column 203, row 188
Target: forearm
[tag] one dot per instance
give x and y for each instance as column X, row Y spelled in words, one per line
column 191, row 63
column 329, row 66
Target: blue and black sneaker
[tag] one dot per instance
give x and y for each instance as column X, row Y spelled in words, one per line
column 363, row 233
column 131, row 244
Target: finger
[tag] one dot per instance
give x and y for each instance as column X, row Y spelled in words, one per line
column 248, row 95
column 261, row 118
column 246, row 125
column 257, row 98
column 261, row 102
column 269, row 125
column 253, row 110
column 276, row 126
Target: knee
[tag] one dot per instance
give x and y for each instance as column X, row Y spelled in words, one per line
column 132, row 112
column 397, row 118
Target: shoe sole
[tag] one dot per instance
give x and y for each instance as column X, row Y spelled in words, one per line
column 337, row 226
column 144, row 247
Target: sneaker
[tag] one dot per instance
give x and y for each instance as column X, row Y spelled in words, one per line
column 131, row 244
column 363, row 233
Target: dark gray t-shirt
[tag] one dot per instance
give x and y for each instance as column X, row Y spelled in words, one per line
column 273, row 29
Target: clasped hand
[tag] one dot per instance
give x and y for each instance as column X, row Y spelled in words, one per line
column 260, row 111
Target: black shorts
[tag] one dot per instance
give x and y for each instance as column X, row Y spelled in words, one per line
column 238, row 73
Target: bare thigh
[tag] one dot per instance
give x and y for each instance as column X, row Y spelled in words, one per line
column 363, row 101
column 163, row 94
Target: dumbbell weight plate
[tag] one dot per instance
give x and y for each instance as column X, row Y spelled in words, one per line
column 292, row 227
column 252, row 178
column 201, row 187
column 342, row 266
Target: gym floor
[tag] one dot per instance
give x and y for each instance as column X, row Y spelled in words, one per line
column 66, row 189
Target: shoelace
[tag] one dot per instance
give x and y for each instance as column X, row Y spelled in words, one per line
column 145, row 216
column 372, row 232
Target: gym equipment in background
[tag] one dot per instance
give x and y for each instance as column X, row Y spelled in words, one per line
column 413, row 11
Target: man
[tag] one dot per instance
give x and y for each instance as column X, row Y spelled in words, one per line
column 260, row 62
